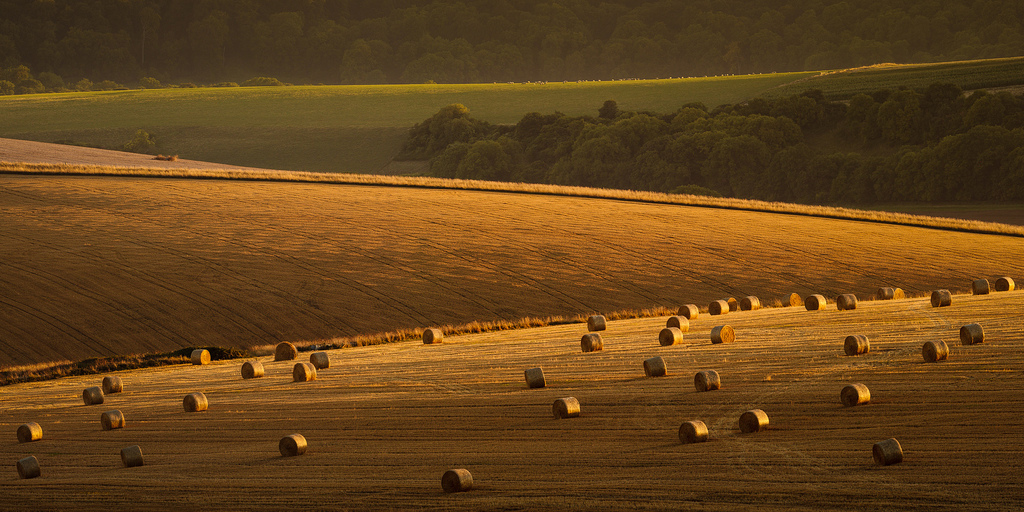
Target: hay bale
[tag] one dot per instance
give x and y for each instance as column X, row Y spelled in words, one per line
column 734, row 305
column 28, row 467
column 941, row 298
column 195, row 402
column 670, row 336
column 303, row 372
column 285, row 351
column 750, row 303
column 898, row 294
column 112, row 420
column 718, row 307
column 131, row 456
column 30, row 432
column 793, row 300
column 972, row 334
column 754, row 420
column 980, row 287
column 320, row 360
column 655, row 367
column 934, row 351
column 432, row 335
column 567, row 407
column 815, row 302
column 887, row 452
column 886, row 293
column 591, row 342
column 679, row 322
column 723, row 334
column 854, row 394
column 92, row 396
column 690, row 311
column 856, row 344
column 707, row 380
column 846, row 302
column 252, row 370
column 200, row 356
column 535, row 378
column 693, row 432
column 112, row 384
column 456, row 480
column 596, row 323
column 1004, row 284
column 292, row 445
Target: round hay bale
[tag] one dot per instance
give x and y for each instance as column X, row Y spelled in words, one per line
column 655, row 367
column 285, row 351
column 941, row 298
column 596, row 323
column 679, row 322
column 30, row 432
column 718, row 307
column 734, row 305
column 854, row 394
column 320, row 360
column 846, row 302
column 200, row 356
column 112, row 384
column 131, row 456
column 815, row 302
column 750, row 303
column 899, row 294
column 292, row 445
column 689, row 311
column 28, row 467
column 195, row 402
column 693, row 432
column 754, row 420
column 670, row 336
column 252, row 370
column 567, row 407
column 793, row 300
column 92, row 396
column 112, row 420
column 887, row 293
column 535, row 378
column 432, row 335
column 887, row 452
column 1004, row 284
column 456, row 480
column 591, row 342
column 303, row 372
column 856, row 344
column 934, row 351
column 723, row 334
column 707, row 380
column 980, row 287
column 972, row 334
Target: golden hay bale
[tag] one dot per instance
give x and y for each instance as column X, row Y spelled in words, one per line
column 793, row 300
column 898, row 294
column 679, row 322
column 432, row 335
column 754, row 420
column 941, row 298
column 854, row 394
column 567, row 407
column 885, row 293
column 131, row 456
column 655, row 367
column 693, row 432
column 112, row 384
column 723, row 334
column 92, row 396
column 535, row 378
column 195, row 402
column 670, row 336
column 456, row 480
column 591, row 342
column 111, row 420
column 734, row 305
column 200, row 356
column 690, row 311
column 320, row 360
column 934, row 351
column 980, row 287
column 252, row 370
column 972, row 334
column 303, row 372
column 285, row 352
column 1004, row 284
column 846, row 302
column 707, row 380
column 887, row 452
column 856, row 344
column 30, row 432
column 718, row 307
column 750, row 303
column 596, row 323
column 28, row 467
column 815, row 302
column 292, row 445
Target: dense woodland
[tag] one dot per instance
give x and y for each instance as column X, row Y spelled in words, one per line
column 83, row 44
column 894, row 145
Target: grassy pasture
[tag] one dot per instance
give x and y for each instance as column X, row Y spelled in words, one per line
column 383, row 423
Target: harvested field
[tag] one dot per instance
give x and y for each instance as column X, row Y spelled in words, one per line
column 381, row 440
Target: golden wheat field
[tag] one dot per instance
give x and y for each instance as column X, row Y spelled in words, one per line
column 100, row 266
column 384, row 422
